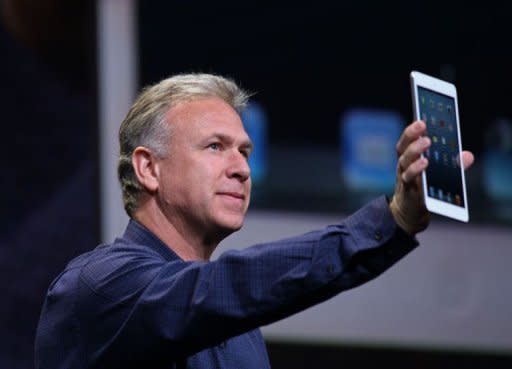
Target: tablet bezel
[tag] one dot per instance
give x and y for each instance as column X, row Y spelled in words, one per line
column 434, row 205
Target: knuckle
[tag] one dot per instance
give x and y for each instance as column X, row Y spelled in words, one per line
column 401, row 163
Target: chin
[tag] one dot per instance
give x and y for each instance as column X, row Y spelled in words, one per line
column 232, row 223
column 234, row 226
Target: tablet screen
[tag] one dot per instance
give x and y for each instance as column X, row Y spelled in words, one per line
column 443, row 174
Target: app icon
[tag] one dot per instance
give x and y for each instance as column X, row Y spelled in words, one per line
column 440, row 194
column 367, row 151
column 497, row 166
column 441, row 123
column 440, row 106
column 255, row 123
column 449, row 197
column 432, row 191
column 443, row 140
column 458, row 200
column 454, row 161
column 436, row 155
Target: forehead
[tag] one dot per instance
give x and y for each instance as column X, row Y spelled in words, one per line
column 202, row 115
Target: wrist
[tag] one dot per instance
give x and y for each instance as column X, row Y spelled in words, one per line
column 408, row 221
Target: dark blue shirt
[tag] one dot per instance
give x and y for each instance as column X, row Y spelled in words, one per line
column 136, row 304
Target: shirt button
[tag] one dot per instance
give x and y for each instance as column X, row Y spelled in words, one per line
column 377, row 235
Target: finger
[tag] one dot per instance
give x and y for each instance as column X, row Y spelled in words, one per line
column 411, row 133
column 413, row 152
column 414, row 170
column 467, row 159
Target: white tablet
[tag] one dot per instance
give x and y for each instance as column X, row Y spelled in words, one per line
column 444, row 184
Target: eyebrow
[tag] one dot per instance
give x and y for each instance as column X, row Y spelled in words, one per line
column 246, row 144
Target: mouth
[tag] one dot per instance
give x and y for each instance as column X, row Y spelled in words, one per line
column 235, row 195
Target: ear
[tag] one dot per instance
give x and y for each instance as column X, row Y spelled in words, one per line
column 144, row 165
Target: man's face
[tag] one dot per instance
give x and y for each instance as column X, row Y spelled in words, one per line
column 204, row 182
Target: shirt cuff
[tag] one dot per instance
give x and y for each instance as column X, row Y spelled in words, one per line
column 379, row 242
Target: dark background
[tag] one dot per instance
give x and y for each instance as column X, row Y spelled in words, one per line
column 49, row 207
column 307, row 64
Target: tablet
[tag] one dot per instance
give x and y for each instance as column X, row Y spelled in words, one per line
column 444, row 184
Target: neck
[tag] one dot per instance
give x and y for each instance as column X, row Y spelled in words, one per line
column 187, row 244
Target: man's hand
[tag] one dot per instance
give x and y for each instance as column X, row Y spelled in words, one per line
column 407, row 205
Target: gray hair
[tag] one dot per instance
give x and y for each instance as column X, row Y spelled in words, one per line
column 146, row 125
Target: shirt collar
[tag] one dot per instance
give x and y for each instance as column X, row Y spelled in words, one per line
column 137, row 233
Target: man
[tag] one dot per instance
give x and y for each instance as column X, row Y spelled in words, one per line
column 151, row 299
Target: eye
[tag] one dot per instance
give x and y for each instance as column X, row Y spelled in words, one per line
column 215, row 146
column 246, row 153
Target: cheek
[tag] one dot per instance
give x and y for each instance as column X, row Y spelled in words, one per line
column 178, row 182
column 195, row 178
column 204, row 176
column 210, row 169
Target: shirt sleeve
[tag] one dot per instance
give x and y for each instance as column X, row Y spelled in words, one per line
column 184, row 307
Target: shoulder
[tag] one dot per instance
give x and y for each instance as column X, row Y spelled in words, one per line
column 117, row 271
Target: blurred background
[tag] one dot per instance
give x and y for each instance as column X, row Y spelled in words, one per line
column 331, row 96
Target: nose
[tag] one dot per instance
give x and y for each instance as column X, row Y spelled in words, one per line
column 239, row 167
